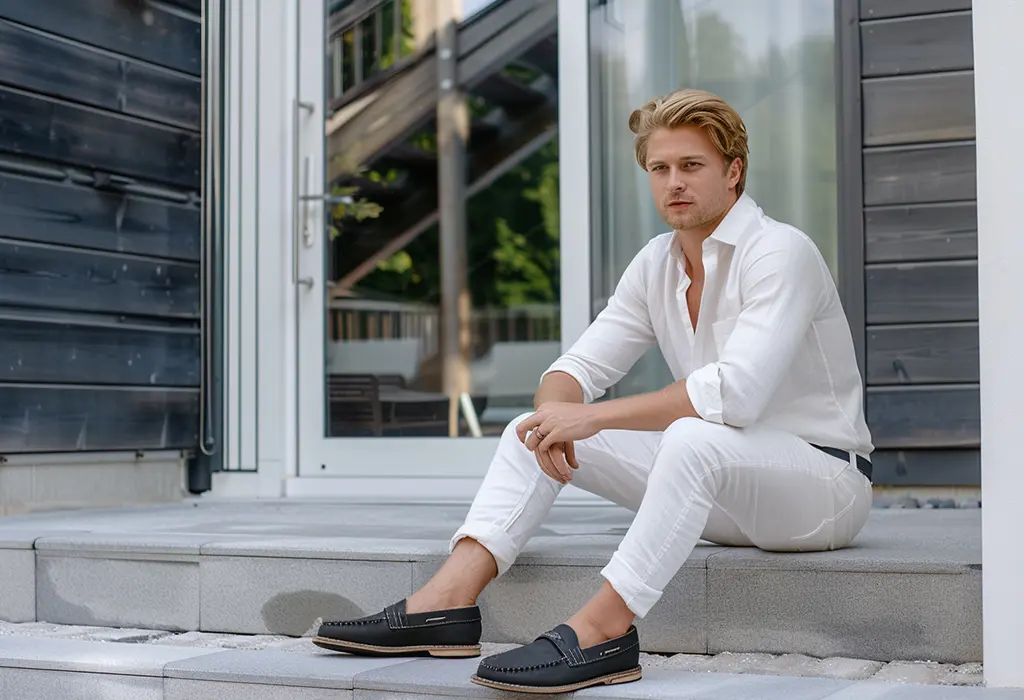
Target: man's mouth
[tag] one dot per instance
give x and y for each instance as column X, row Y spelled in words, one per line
column 678, row 204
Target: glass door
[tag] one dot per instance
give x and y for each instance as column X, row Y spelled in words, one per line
column 372, row 267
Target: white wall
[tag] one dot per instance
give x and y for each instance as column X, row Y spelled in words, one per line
column 999, row 104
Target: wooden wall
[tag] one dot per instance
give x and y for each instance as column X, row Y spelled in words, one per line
column 100, row 113
column 920, row 240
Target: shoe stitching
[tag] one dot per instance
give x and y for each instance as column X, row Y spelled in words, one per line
column 347, row 623
column 520, row 669
column 446, row 622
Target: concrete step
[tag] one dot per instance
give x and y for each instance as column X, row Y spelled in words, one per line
column 40, row 667
column 910, row 588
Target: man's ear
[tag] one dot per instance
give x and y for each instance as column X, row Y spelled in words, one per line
column 735, row 171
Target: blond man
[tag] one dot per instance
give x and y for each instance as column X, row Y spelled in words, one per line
column 759, row 442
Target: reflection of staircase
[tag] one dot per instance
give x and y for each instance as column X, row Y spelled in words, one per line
column 507, row 65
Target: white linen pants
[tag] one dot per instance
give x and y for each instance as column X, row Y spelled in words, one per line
column 696, row 480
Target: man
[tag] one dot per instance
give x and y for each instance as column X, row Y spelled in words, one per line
column 760, row 441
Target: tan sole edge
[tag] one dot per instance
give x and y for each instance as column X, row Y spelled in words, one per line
column 623, row 677
column 440, row 651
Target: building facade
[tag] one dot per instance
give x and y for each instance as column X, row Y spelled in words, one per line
column 297, row 347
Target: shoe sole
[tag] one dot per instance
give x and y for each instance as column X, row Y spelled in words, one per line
column 621, row 677
column 447, row 652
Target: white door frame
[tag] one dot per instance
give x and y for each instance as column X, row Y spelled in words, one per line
column 412, row 467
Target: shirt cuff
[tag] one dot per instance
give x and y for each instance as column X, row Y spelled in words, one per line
column 570, row 368
column 704, row 387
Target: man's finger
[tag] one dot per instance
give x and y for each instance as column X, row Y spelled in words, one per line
column 558, row 460
column 558, row 457
column 549, row 441
column 570, row 454
column 548, row 467
column 543, row 467
column 525, row 426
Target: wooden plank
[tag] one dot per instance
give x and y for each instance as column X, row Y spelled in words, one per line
column 878, row 9
column 921, row 417
column 42, row 276
column 59, row 131
column 77, row 352
column 65, row 214
column 925, row 44
column 919, row 109
column 925, row 232
column 960, row 467
column 48, row 418
column 42, row 63
column 917, row 175
column 940, row 353
column 143, row 30
column 922, row 292
column 195, row 6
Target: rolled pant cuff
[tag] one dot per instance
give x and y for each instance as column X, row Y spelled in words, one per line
column 638, row 596
column 493, row 538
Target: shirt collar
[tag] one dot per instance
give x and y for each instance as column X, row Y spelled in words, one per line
column 737, row 221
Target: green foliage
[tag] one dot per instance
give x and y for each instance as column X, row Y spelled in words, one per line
column 513, row 244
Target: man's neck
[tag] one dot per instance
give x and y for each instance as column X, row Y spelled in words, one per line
column 691, row 241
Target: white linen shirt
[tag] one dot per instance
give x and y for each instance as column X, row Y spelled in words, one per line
column 772, row 344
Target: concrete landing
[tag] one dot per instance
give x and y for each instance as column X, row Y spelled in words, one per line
column 38, row 667
column 909, row 589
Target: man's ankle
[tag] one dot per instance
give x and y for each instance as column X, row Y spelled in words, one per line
column 429, row 601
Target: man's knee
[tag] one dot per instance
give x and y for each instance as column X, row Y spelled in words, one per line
column 691, row 443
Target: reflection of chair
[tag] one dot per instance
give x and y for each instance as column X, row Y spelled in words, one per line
column 353, row 404
column 367, row 404
column 397, row 356
column 509, row 375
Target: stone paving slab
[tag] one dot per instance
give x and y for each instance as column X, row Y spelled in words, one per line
column 35, row 662
column 91, row 656
column 269, row 667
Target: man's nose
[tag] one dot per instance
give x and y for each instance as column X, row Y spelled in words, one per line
column 676, row 181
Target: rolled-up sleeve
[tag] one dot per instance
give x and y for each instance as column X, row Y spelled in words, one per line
column 782, row 286
column 620, row 334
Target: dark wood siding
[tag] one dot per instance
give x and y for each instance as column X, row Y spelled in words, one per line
column 100, row 117
column 920, row 239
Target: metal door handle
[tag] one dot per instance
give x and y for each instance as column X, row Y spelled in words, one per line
column 296, row 194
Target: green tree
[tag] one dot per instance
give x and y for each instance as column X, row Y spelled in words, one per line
column 513, row 254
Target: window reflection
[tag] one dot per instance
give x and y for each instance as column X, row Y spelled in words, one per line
column 383, row 361
column 772, row 60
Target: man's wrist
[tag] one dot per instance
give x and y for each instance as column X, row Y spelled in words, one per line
column 598, row 416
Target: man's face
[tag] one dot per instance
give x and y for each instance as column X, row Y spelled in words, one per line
column 691, row 183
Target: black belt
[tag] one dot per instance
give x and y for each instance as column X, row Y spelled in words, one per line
column 862, row 464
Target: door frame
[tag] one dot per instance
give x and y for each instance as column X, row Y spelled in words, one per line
column 411, row 467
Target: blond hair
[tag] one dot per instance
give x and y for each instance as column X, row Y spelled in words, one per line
column 689, row 107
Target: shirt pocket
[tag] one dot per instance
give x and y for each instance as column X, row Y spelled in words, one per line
column 721, row 331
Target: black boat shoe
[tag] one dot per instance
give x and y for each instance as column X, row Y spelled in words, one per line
column 392, row 632
column 554, row 663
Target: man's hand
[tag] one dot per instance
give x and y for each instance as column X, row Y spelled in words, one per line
column 551, row 431
column 556, row 461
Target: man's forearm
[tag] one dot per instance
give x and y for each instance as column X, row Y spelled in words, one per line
column 654, row 411
column 560, row 387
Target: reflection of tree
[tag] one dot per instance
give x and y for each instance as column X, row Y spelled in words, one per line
column 513, row 244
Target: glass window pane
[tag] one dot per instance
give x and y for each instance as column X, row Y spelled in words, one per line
column 772, row 60
column 383, row 372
